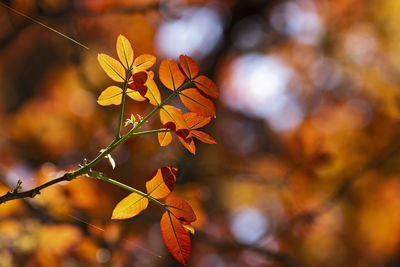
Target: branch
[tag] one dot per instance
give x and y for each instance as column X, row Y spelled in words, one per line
column 14, row 194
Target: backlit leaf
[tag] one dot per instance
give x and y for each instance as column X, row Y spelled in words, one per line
column 203, row 137
column 135, row 95
column 189, row 66
column 112, row 67
column 143, row 62
column 175, row 237
column 172, row 118
column 110, row 96
column 153, row 94
column 161, row 182
column 197, row 102
column 181, row 209
column 195, row 121
column 188, row 143
column 170, row 74
column 124, row 51
column 164, row 138
column 207, row 86
column 130, row 206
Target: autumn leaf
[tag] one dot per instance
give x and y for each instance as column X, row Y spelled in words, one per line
column 170, row 74
column 112, row 95
column 195, row 121
column 188, row 143
column 143, row 62
column 143, row 83
column 164, row 138
column 112, row 67
column 153, row 94
column 207, row 86
column 172, row 118
column 181, row 209
column 161, row 182
column 176, row 238
column 174, row 233
column 124, row 51
column 130, row 206
column 203, row 137
column 188, row 66
column 197, row 102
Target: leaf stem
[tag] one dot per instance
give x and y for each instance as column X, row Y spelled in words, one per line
column 121, row 112
column 100, row 176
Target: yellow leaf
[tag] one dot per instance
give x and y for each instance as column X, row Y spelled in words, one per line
column 110, row 96
column 135, row 95
column 152, row 94
column 144, row 62
column 130, row 206
column 112, row 67
column 124, row 51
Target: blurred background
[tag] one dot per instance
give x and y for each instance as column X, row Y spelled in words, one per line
column 306, row 170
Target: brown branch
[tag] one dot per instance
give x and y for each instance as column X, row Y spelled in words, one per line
column 14, row 194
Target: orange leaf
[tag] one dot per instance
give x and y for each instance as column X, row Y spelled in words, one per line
column 188, row 143
column 143, row 62
column 153, row 94
column 195, row 121
column 170, row 74
column 189, row 66
column 176, row 237
column 203, row 137
column 130, row 206
column 164, row 138
column 181, row 209
column 112, row 67
column 207, row 86
column 161, row 182
column 172, row 118
column 124, row 51
column 197, row 103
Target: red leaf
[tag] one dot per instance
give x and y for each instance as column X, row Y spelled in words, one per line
column 170, row 74
column 176, row 237
column 181, row 209
column 161, row 182
column 197, row 102
column 139, row 79
column 195, row 121
column 189, row 66
column 207, row 86
column 203, row 137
